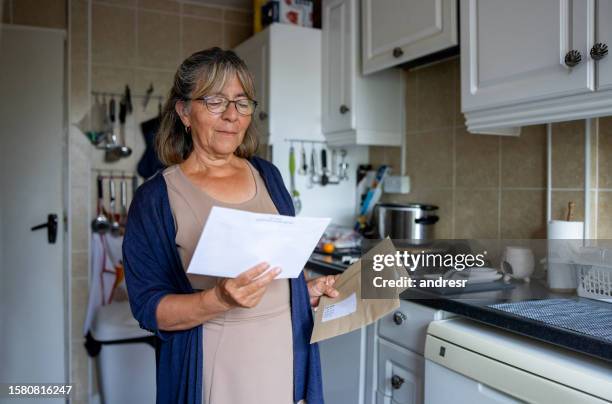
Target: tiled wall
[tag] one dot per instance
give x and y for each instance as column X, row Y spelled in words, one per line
column 113, row 43
column 494, row 186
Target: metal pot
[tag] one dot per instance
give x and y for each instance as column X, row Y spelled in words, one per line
column 414, row 221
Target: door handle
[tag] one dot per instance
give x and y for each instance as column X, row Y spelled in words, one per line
column 51, row 226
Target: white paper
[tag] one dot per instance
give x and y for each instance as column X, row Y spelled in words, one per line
column 235, row 240
column 343, row 308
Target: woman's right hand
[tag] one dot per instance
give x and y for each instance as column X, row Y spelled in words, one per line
column 247, row 289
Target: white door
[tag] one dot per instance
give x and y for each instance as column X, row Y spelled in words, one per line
column 339, row 17
column 256, row 53
column 514, row 51
column 398, row 31
column 32, row 335
column 604, row 36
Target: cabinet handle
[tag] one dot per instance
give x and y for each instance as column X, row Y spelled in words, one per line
column 263, row 116
column 573, row 58
column 399, row 317
column 397, row 52
column 344, row 109
column 397, row 381
column 599, row 51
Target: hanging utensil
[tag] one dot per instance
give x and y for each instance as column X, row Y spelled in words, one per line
column 124, row 108
column 100, row 224
column 115, row 227
column 312, row 174
column 343, row 165
column 334, row 166
column 295, row 195
column 303, row 166
column 123, row 205
column 324, row 177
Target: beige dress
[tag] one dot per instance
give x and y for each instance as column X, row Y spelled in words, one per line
column 248, row 353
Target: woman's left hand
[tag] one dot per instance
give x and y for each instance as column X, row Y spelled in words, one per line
column 321, row 286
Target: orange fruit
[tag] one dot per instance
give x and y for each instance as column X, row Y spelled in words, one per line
column 328, row 248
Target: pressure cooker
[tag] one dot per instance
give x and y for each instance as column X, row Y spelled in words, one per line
column 413, row 222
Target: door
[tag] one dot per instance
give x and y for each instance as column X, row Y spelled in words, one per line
column 398, row 31
column 32, row 134
column 256, row 53
column 514, row 51
column 604, row 36
column 339, row 17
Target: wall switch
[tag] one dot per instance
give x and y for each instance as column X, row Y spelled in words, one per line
column 397, row 184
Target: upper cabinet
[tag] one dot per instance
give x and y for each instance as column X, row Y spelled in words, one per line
column 400, row 31
column 526, row 62
column 357, row 109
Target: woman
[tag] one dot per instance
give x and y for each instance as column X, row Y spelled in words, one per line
column 242, row 340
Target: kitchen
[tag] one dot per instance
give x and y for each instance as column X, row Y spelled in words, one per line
column 499, row 115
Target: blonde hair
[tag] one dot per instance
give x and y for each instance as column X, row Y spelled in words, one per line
column 203, row 73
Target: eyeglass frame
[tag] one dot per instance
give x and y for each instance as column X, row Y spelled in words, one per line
column 228, row 103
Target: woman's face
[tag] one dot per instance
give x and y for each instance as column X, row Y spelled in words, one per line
column 219, row 133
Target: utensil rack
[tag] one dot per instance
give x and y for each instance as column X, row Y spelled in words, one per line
column 159, row 98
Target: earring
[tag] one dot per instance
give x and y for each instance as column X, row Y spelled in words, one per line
column 188, row 130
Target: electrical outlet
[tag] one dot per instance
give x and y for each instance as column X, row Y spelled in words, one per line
column 397, row 184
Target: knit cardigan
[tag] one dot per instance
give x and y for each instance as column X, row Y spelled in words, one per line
column 153, row 269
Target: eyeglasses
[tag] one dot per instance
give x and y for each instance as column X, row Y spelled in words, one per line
column 218, row 105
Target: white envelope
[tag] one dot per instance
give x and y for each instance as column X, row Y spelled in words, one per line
column 235, row 240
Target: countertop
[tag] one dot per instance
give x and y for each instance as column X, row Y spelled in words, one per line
column 475, row 307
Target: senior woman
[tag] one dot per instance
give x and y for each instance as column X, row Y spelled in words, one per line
column 219, row 340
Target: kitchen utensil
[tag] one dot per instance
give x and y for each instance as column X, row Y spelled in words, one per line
column 313, row 178
column 564, row 239
column 570, row 211
column 343, row 165
column 519, row 261
column 115, row 227
column 124, row 108
column 100, row 224
column 413, row 222
column 123, row 206
column 324, row 177
column 295, row 195
column 334, row 166
column 303, row 166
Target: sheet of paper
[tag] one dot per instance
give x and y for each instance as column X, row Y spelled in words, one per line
column 234, row 240
column 342, row 308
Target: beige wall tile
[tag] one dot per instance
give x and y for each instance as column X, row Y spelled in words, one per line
column 30, row 12
column 605, row 152
column 604, row 222
column 412, row 102
column 197, row 10
column 568, row 155
column 78, row 30
column 430, row 159
column 524, row 158
column 113, row 38
column 242, row 17
column 442, row 198
column 390, row 156
column 158, row 40
column 162, row 83
column 80, row 372
column 79, row 219
column 7, row 17
column 476, row 213
column 436, row 96
column 560, row 200
column 200, row 34
column 236, row 34
column 79, row 296
column 160, row 5
column 122, row 3
column 79, row 91
column 523, row 214
column 477, row 160
column 111, row 79
column 80, row 265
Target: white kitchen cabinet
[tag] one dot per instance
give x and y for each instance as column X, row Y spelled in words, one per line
column 400, row 31
column 514, row 70
column 357, row 110
column 285, row 61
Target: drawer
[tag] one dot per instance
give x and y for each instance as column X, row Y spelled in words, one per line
column 407, row 326
column 400, row 374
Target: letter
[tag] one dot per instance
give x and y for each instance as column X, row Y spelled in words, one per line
column 389, row 260
column 480, row 260
column 460, row 262
column 377, row 278
column 377, row 262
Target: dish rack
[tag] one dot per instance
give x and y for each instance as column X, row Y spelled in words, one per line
column 594, row 273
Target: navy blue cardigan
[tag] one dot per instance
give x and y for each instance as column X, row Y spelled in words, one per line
column 153, row 269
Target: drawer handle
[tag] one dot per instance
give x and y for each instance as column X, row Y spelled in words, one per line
column 573, row 58
column 344, row 109
column 396, row 382
column 399, row 317
column 599, row 51
column 397, row 52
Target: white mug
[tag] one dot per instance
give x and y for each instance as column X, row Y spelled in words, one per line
column 519, row 261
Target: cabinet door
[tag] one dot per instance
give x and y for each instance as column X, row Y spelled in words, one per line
column 513, row 51
column 256, row 54
column 400, row 374
column 604, row 35
column 398, row 31
column 338, row 64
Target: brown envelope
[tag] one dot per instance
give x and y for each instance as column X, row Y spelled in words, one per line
column 349, row 311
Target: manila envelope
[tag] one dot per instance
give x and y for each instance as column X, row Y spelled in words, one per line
column 349, row 311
